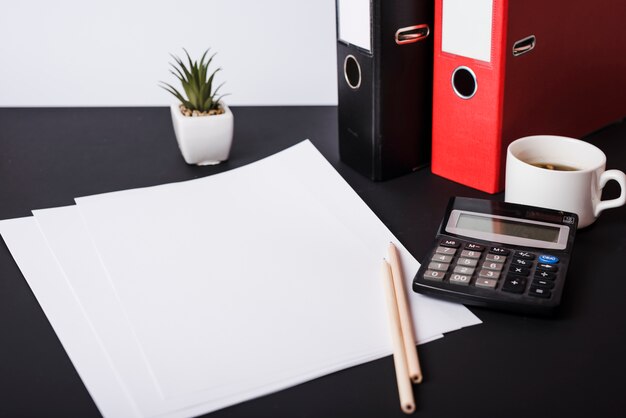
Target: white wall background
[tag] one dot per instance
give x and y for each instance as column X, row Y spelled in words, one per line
column 114, row 52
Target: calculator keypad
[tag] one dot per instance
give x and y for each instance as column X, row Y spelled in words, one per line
column 486, row 283
column 434, row 265
column 514, row 284
column 464, row 270
column 521, row 271
column 493, row 268
column 445, row 250
column 496, row 258
column 470, row 254
column 434, row 275
column 462, row 279
column 489, row 274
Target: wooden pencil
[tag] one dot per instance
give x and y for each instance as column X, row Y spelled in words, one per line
column 405, row 390
column 415, row 371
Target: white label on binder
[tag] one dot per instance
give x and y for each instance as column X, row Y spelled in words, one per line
column 466, row 28
column 354, row 22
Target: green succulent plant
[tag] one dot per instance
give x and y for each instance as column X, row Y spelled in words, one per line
column 197, row 83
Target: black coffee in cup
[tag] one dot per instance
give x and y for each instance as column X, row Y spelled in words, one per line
column 555, row 167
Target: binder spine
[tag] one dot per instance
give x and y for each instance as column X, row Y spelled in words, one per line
column 385, row 122
column 468, row 94
column 355, row 80
column 377, row 138
column 541, row 73
column 356, row 110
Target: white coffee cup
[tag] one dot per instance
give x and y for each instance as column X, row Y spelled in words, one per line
column 578, row 191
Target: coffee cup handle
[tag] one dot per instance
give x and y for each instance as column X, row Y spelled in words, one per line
column 619, row 177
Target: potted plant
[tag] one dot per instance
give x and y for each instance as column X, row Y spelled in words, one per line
column 203, row 124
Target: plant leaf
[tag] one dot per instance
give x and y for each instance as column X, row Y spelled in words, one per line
column 182, row 66
column 208, row 104
column 175, row 93
column 178, row 73
column 217, row 100
column 217, row 89
column 196, row 80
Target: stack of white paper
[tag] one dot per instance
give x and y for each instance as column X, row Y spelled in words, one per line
column 181, row 299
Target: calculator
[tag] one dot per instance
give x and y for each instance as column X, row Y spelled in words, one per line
column 499, row 255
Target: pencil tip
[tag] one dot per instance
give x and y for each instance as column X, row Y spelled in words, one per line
column 408, row 408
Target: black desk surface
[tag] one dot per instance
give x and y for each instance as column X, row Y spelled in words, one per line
column 514, row 366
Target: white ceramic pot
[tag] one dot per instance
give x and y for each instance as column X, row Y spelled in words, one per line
column 203, row 140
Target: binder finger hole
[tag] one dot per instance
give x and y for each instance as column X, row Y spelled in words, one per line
column 464, row 82
column 523, row 46
column 352, row 72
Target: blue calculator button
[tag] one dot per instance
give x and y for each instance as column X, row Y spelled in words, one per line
column 548, row 259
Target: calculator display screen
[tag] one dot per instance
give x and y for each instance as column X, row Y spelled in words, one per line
column 508, row 227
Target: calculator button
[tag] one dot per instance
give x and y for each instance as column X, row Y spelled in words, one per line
column 470, row 254
column 499, row 250
column 514, row 284
column 442, row 258
column 525, row 254
column 434, row 265
column 521, row 262
column 545, row 275
column 445, row 250
column 489, row 274
column 548, row 284
column 472, row 262
column 522, row 271
column 490, row 265
column 547, row 267
column 434, row 275
column 474, row 247
column 462, row 279
column 548, row 259
column 450, row 243
column 464, row 270
column 495, row 257
column 486, row 283
column 541, row 292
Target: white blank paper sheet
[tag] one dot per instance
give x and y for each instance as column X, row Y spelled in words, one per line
column 205, row 293
column 105, row 362
column 39, row 267
column 239, row 276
